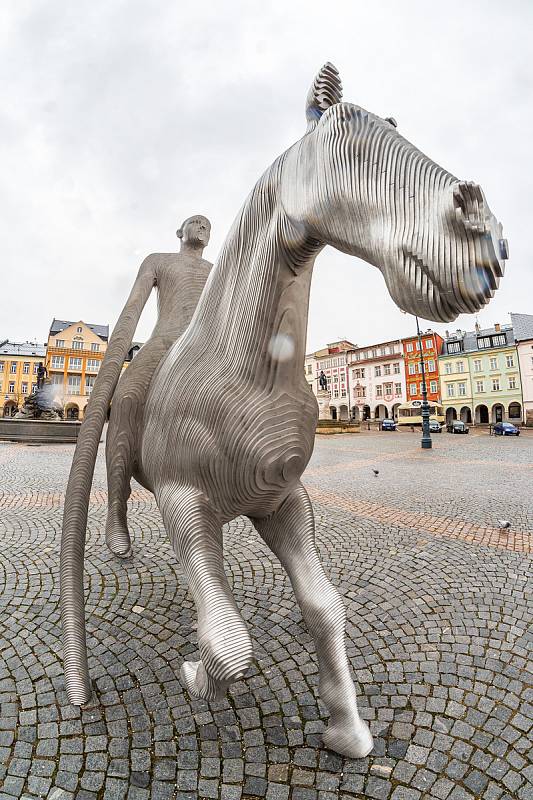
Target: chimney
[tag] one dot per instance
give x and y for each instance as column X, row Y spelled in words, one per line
column 497, row 327
column 478, row 327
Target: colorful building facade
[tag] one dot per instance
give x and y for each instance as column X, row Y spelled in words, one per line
column 480, row 376
column 431, row 348
column 377, row 381
column 74, row 353
column 18, row 373
column 523, row 334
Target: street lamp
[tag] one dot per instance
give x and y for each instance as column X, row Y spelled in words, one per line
column 425, row 442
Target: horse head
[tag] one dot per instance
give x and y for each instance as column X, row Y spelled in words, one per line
column 354, row 182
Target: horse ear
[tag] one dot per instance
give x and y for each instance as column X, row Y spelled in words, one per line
column 325, row 91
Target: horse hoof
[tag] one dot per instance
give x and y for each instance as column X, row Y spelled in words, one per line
column 118, row 542
column 198, row 683
column 353, row 740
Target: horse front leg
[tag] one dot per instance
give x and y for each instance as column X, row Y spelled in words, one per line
column 224, row 643
column 290, row 534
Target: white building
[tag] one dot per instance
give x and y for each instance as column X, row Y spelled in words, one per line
column 332, row 360
column 523, row 335
column 377, row 381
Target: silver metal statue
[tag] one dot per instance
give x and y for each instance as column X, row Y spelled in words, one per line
column 179, row 279
column 229, row 420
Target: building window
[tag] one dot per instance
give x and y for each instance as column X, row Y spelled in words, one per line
column 409, row 347
column 24, row 388
column 74, row 363
column 433, row 387
column 377, row 372
column 58, row 362
column 26, row 368
column 412, row 388
column 343, row 393
column 397, row 389
column 448, row 368
column 11, row 387
column 509, row 360
column 2, row 366
column 79, row 330
column 461, row 389
column 483, row 342
column 495, row 384
column 460, row 366
column 33, row 388
column 379, row 391
column 499, row 340
column 453, row 347
column 494, row 363
column 396, row 368
column 60, row 342
column 480, row 387
column 386, row 369
column 35, row 368
column 13, row 368
column 387, row 388
column 430, row 366
column 89, row 383
column 74, row 383
column 95, row 347
column 57, row 380
column 428, row 344
column 336, row 393
column 359, row 372
column 412, row 369
column 450, row 390
column 477, row 365
column 77, row 344
column 309, row 367
column 512, row 382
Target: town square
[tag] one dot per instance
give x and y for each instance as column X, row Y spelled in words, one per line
column 266, row 401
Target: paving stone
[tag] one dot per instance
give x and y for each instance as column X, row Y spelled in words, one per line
column 436, row 632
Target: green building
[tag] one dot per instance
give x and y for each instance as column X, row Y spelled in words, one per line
column 480, row 376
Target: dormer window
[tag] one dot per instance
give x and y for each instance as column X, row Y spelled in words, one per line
column 79, row 330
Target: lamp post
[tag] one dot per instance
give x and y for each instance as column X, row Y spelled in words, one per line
column 425, row 442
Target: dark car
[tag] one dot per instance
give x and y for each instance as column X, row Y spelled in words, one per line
column 457, row 426
column 505, row 429
column 435, row 426
column 388, row 425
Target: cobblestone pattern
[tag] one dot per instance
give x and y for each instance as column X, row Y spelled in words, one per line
column 437, row 635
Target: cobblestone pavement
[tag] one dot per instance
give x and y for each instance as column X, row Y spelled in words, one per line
column 437, row 636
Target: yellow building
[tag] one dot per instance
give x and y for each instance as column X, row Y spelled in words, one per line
column 74, row 353
column 18, row 373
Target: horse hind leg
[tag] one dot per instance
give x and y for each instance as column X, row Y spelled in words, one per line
column 290, row 534
column 224, row 643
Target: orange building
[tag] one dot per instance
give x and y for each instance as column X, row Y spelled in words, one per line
column 74, row 353
column 431, row 349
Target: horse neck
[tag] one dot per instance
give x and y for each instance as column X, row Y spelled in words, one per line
column 254, row 310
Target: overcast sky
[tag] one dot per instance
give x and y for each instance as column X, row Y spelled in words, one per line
column 121, row 118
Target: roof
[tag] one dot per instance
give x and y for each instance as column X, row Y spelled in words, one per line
column 469, row 338
column 22, row 349
column 522, row 326
column 59, row 325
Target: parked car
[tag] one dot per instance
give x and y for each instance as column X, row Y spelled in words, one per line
column 457, row 426
column 388, row 425
column 435, row 426
column 505, row 429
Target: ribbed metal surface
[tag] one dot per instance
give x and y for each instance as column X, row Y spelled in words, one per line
column 229, row 419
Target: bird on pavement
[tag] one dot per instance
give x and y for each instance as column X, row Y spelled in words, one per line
column 376, row 472
column 504, row 524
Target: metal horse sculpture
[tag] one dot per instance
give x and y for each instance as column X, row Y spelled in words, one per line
column 229, row 421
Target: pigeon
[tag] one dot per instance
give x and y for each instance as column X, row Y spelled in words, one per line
column 504, row 524
column 376, row 472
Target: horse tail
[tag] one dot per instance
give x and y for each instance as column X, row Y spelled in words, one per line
column 79, row 487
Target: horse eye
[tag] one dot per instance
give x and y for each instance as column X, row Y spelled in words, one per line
column 391, row 121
